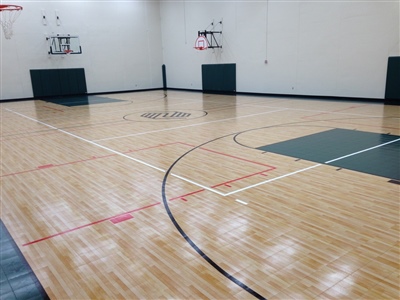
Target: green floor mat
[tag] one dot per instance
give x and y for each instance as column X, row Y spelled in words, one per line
column 81, row 100
column 367, row 152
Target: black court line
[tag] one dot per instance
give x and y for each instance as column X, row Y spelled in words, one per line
column 188, row 239
column 182, row 232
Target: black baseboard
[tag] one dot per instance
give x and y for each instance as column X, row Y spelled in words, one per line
column 87, row 94
column 314, row 97
column 124, row 91
column 392, row 101
column 184, row 90
column 291, row 96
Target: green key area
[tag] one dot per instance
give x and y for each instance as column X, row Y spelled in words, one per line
column 367, row 152
column 81, row 100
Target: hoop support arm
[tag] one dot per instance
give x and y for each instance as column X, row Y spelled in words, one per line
column 212, row 42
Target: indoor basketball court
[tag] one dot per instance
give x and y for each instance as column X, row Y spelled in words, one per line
column 163, row 175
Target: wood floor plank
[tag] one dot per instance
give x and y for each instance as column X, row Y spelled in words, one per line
column 107, row 203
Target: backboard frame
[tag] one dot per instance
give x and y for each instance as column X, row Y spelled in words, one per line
column 64, row 44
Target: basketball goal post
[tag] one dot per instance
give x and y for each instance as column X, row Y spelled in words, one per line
column 8, row 15
column 206, row 40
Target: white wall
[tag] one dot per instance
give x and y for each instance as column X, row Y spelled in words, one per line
column 121, row 45
column 325, row 48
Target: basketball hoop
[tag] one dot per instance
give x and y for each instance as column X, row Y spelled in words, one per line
column 8, row 15
column 67, row 51
column 201, row 43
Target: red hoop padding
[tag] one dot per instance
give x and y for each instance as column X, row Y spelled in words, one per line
column 10, row 7
column 200, row 48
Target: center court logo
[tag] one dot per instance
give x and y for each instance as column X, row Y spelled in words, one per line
column 166, row 115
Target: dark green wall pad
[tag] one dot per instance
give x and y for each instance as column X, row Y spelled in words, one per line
column 81, row 100
column 164, row 76
column 392, row 91
column 58, row 82
column 331, row 147
column 219, row 78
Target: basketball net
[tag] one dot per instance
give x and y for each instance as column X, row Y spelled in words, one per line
column 201, row 43
column 8, row 15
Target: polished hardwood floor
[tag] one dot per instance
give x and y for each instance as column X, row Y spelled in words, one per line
column 164, row 195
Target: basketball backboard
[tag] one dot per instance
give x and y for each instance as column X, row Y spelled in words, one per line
column 64, row 44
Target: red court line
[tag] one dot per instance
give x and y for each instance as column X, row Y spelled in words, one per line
column 188, row 194
column 46, row 166
column 231, row 156
column 152, row 147
column 241, row 178
column 89, row 224
column 39, row 168
column 345, row 122
column 83, row 160
column 123, row 216
column 226, row 183
column 333, row 111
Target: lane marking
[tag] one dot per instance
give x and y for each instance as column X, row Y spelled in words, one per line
column 91, row 224
column 46, row 166
column 229, row 155
column 309, row 168
column 198, row 184
column 188, row 180
column 84, row 160
column 365, row 150
column 272, row 179
column 117, row 152
column 121, row 218
column 88, row 141
column 242, row 202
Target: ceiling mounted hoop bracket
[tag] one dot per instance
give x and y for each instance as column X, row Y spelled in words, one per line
column 210, row 37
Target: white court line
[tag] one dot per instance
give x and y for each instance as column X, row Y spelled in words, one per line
column 187, row 126
column 202, row 186
column 308, row 168
column 85, row 140
column 358, row 152
column 242, row 202
column 270, row 180
column 190, row 181
column 320, row 112
column 116, row 152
